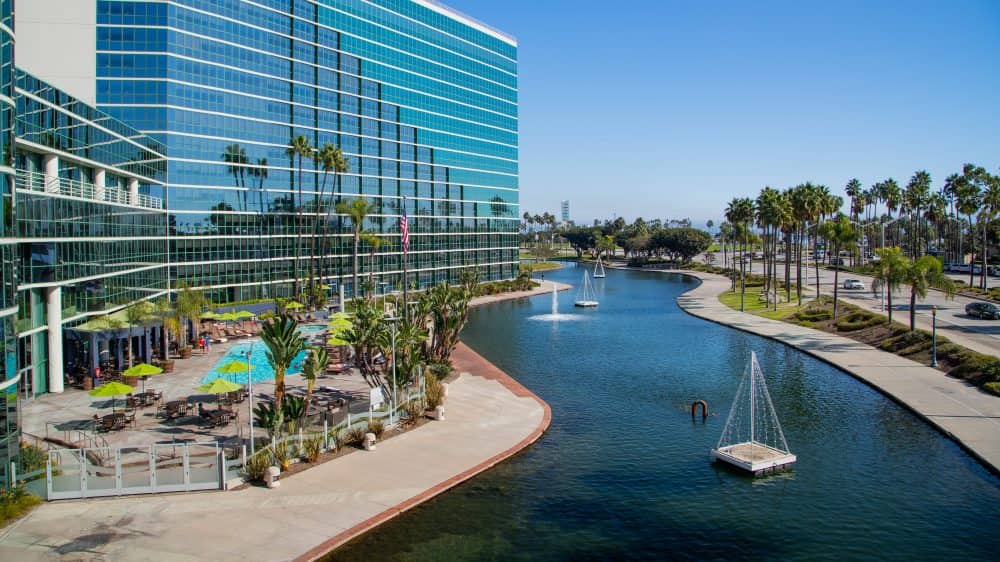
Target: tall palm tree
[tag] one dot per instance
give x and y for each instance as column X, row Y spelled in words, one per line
column 190, row 304
column 313, row 367
column 968, row 199
column 917, row 195
column 740, row 212
column 330, row 159
column 769, row 219
column 920, row 275
column 841, row 234
column 374, row 242
column 988, row 213
column 357, row 210
column 284, row 342
column 854, row 191
column 298, row 147
column 889, row 272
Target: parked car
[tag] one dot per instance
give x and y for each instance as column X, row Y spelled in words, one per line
column 854, row 285
column 985, row 310
column 837, row 261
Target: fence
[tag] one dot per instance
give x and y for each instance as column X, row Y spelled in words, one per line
column 169, row 467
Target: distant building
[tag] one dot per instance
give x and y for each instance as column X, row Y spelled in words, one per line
column 564, row 214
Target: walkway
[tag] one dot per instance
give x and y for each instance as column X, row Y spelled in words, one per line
column 489, row 418
column 963, row 412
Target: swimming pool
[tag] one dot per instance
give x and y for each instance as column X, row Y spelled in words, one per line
column 261, row 369
column 311, row 330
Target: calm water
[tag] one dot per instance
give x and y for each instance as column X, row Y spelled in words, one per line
column 624, row 473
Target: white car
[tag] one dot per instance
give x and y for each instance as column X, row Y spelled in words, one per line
column 854, row 285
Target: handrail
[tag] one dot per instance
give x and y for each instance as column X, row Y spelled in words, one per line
column 37, row 181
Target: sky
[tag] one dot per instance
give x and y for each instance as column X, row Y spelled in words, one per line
column 668, row 110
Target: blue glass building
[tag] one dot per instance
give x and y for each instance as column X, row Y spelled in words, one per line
column 421, row 99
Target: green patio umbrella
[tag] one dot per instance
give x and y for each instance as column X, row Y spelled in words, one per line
column 334, row 340
column 227, row 317
column 294, row 305
column 112, row 390
column 209, row 315
column 219, row 386
column 243, row 314
column 142, row 370
column 236, row 367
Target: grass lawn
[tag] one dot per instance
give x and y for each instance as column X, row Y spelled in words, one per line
column 545, row 265
column 753, row 304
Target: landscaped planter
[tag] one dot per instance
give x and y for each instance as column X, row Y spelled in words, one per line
column 185, row 353
column 168, row 366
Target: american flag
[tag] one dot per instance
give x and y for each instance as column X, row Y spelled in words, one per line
column 404, row 229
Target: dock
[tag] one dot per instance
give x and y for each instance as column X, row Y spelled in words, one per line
column 753, row 457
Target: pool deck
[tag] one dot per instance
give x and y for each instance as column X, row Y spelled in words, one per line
column 489, row 418
column 961, row 411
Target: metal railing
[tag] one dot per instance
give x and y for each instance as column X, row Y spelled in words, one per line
column 36, row 181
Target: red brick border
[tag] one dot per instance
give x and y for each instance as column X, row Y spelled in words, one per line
column 465, row 360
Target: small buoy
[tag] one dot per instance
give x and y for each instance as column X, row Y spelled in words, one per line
column 704, row 408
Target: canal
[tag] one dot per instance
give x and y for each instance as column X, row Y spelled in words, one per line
column 624, row 472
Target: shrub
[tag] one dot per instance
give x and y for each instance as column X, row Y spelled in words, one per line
column 354, row 436
column 992, row 388
column 440, row 369
column 858, row 320
column 283, row 453
column 376, row 426
column 333, row 438
column 312, row 447
column 434, row 393
column 414, row 410
column 15, row 502
column 32, row 458
column 813, row 315
column 257, row 466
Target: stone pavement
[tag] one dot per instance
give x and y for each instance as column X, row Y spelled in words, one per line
column 968, row 415
column 489, row 418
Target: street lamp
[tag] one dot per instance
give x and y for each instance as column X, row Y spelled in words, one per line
column 385, row 301
column 250, row 392
column 934, row 362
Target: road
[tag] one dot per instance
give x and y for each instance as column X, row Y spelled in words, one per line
column 952, row 322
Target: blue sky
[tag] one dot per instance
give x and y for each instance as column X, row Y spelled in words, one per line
column 666, row 109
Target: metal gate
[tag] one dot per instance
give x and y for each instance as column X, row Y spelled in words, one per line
column 172, row 467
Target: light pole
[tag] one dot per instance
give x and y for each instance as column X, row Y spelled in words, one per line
column 250, row 392
column 392, row 406
column 385, row 294
column 934, row 362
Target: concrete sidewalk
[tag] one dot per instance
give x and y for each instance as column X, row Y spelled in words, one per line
column 969, row 416
column 489, row 418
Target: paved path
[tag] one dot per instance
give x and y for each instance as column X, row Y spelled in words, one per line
column 963, row 412
column 489, row 418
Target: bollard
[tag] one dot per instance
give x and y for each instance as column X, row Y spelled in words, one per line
column 369, row 441
column 438, row 413
column 272, row 477
column 444, row 389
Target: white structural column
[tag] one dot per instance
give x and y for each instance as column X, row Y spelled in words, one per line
column 100, row 176
column 53, row 317
column 133, row 191
column 51, row 164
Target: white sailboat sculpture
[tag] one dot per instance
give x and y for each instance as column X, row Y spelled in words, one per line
column 585, row 294
column 599, row 269
column 752, row 439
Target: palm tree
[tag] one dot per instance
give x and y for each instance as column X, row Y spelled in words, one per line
column 769, row 219
column 854, row 191
column 967, row 201
column 920, row 275
column 740, row 213
column 300, row 147
column 139, row 313
column 374, row 242
column 314, row 366
column 990, row 208
column 330, row 159
column 283, row 341
column 190, row 304
column 917, row 196
column 357, row 210
column 890, row 271
column 840, row 233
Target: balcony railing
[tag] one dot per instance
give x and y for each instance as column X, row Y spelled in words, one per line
column 35, row 181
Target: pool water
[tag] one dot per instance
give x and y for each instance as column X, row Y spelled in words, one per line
column 261, row 369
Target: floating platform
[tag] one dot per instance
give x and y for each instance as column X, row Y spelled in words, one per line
column 585, row 304
column 754, row 457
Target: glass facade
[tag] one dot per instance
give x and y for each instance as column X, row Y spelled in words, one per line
column 422, row 101
column 9, row 426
